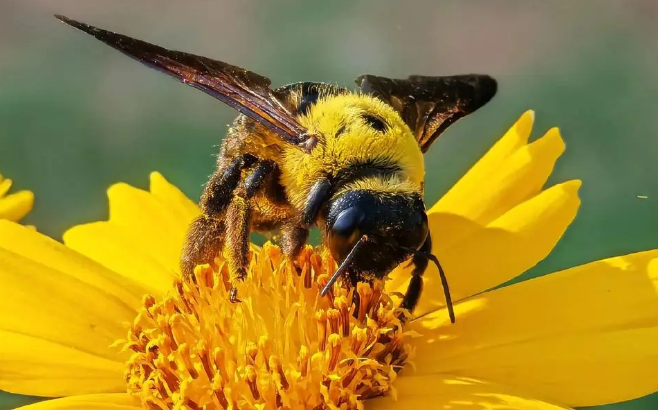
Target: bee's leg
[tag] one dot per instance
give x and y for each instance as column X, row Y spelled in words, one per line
column 293, row 239
column 203, row 240
column 201, row 244
column 415, row 287
column 295, row 234
column 238, row 215
column 318, row 195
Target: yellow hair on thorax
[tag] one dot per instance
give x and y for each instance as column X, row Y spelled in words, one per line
column 387, row 184
column 346, row 138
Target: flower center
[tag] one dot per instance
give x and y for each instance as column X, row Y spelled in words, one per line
column 283, row 346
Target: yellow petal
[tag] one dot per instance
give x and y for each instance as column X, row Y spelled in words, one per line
column 33, row 246
column 585, row 336
column 66, row 310
column 515, row 138
column 117, row 401
column 116, row 248
column 39, row 367
column 14, row 207
column 149, row 221
column 150, row 226
column 493, row 254
column 511, row 172
column 5, row 185
column 457, row 393
column 172, row 197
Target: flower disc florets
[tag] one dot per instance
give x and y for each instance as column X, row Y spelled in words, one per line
column 283, row 346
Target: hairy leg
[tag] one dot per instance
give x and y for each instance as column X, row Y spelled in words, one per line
column 238, row 217
column 415, row 288
column 293, row 239
column 204, row 236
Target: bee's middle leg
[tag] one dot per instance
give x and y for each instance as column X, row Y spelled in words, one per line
column 293, row 239
column 238, row 218
column 295, row 233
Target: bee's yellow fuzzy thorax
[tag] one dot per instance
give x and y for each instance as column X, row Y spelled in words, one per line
column 345, row 138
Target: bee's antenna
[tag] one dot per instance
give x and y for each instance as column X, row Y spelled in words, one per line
column 444, row 280
column 343, row 266
column 446, row 288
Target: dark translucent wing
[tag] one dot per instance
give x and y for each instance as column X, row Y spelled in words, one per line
column 430, row 104
column 247, row 92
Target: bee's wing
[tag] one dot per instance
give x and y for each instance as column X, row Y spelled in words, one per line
column 430, row 104
column 247, row 92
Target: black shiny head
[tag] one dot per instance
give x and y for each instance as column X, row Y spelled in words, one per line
column 393, row 224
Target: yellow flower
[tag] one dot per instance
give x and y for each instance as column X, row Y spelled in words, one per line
column 106, row 323
column 15, row 206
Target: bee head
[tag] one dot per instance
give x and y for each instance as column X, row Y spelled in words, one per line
column 393, row 224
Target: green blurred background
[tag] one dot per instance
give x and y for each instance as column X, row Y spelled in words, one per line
column 76, row 116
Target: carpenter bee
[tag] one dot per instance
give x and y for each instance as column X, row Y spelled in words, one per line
column 305, row 154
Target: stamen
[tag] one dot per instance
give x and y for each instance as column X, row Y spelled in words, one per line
column 343, row 308
column 195, row 350
column 365, row 299
column 307, row 276
column 204, row 276
column 148, row 301
column 317, row 362
column 333, row 318
column 187, row 362
column 220, row 399
column 359, row 337
column 322, row 282
column 265, row 346
column 251, row 351
column 250, row 377
column 334, row 342
column 204, row 357
column 228, row 392
column 178, row 329
column 220, row 363
column 277, row 370
column 321, row 318
column 302, row 360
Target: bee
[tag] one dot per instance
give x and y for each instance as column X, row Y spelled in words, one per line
column 310, row 153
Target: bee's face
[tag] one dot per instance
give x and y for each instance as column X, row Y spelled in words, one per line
column 393, row 224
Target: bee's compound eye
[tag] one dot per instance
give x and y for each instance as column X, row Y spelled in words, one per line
column 344, row 232
column 348, row 221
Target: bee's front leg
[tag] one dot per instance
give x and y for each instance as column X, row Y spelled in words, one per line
column 238, row 218
column 293, row 239
column 415, row 287
column 295, row 233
